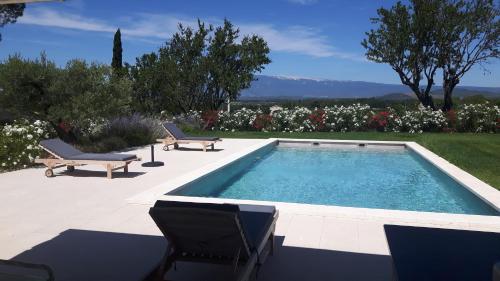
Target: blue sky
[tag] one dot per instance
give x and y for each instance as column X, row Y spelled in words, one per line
column 308, row 38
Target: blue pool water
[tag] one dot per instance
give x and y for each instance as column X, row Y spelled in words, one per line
column 384, row 178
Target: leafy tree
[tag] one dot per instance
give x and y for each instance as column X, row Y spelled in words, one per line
column 404, row 39
column 469, row 34
column 426, row 35
column 9, row 14
column 116, row 62
column 184, row 59
column 198, row 69
column 89, row 95
column 232, row 65
column 26, row 86
column 149, row 92
column 80, row 94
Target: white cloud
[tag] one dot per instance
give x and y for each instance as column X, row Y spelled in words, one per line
column 159, row 27
column 48, row 17
column 303, row 2
column 296, row 39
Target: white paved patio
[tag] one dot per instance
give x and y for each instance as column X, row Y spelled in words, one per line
column 82, row 225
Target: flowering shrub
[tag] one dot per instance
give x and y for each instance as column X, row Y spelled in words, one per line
column 238, row 120
column 348, row 118
column 19, row 143
column 356, row 117
column 422, row 120
column 479, row 118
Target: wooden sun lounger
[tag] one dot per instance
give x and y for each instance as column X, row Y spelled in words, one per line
column 175, row 137
column 62, row 154
column 238, row 235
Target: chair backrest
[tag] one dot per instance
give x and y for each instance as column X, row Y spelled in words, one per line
column 173, row 130
column 202, row 229
column 422, row 253
column 59, row 148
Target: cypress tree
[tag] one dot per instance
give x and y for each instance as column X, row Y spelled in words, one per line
column 116, row 63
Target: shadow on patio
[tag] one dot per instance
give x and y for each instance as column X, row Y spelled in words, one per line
column 93, row 255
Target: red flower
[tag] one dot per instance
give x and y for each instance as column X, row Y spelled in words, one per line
column 209, row 118
column 65, row 126
column 380, row 120
column 317, row 118
column 262, row 121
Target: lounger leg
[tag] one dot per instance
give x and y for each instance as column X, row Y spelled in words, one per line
column 125, row 169
column 213, row 146
column 204, row 146
column 109, row 169
column 165, row 264
column 273, row 243
column 247, row 269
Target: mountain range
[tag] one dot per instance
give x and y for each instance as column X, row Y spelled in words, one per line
column 279, row 87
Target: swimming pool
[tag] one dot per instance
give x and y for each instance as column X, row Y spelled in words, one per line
column 373, row 176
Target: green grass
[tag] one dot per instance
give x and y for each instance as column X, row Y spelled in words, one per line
column 478, row 154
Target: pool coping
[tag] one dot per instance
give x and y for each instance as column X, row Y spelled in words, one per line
column 483, row 191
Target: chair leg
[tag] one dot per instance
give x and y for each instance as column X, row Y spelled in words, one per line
column 166, row 263
column 109, row 171
column 273, row 243
column 247, row 269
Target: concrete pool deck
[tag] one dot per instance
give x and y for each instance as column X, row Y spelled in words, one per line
column 87, row 227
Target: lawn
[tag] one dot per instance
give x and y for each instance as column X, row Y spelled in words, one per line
column 478, row 154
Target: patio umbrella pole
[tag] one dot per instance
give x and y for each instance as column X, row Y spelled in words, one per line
column 153, row 163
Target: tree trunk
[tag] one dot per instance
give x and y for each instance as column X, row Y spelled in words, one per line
column 448, row 101
column 426, row 100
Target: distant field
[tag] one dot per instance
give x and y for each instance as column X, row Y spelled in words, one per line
column 478, row 154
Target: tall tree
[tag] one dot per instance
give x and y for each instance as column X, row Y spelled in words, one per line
column 9, row 14
column 468, row 35
column 404, row 39
column 116, row 62
column 199, row 68
column 231, row 64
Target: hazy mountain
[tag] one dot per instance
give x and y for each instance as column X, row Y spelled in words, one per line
column 296, row 88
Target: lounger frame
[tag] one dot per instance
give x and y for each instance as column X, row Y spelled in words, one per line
column 242, row 270
column 171, row 140
column 56, row 161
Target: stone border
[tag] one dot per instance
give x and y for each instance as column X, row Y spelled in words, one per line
column 484, row 191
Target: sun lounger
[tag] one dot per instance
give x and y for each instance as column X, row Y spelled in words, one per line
column 433, row 254
column 63, row 154
column 175, row 137
column 23, row 271
column 238, row 235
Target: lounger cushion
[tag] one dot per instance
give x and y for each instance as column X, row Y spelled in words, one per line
column 256, row 220
column 60, row 148
column 179, row 135
column 421, row 253
column 103, row 157
column 199, row 138
column 176, row 132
